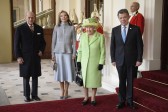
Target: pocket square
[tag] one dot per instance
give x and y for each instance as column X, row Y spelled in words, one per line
column 38, row 33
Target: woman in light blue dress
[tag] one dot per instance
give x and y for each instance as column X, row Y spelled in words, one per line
column 63, row 52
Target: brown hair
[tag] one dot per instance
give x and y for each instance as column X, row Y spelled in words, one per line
column 59, row 19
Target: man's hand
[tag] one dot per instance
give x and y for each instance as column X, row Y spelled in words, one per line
column 40, row 53
column 138, row 63
column 20, row 60
column 114, row 63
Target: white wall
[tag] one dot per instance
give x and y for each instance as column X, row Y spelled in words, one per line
column 152, row 34
column 5, row 32
column 61, row 5
column 110, row 75
column 152, row 11
column 69, row 5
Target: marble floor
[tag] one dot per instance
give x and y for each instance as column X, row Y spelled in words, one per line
column 12, row 84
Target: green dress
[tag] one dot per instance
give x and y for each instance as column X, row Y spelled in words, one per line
column 91, row 53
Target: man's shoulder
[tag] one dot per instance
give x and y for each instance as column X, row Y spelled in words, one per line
column 132, row 25
column 22, row 26
column 116, row 27
column 38, row 26
column 139, row 14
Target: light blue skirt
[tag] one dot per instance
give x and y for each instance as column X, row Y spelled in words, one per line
column 65, row 68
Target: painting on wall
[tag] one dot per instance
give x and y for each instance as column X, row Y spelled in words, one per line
column 15, row 14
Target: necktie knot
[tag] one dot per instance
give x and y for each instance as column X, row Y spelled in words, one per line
column 31, row 28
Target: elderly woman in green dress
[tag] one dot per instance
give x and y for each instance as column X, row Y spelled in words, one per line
column 91, row 58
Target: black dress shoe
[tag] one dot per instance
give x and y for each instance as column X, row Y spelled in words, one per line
column 85, row 102
column 27, row 99
column 93, row 103
column 120, row 105
column 61, row 97
column 36, row 98
column 131, row 105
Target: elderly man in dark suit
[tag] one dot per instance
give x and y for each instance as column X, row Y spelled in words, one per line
column 29, row 45
column 126, row 53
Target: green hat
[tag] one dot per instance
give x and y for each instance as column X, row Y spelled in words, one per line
column 90, row 22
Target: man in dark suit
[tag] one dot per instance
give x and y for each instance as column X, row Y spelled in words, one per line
column 126, row 53
column 29, row 45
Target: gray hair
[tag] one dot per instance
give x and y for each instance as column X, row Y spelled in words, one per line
column 123, row 11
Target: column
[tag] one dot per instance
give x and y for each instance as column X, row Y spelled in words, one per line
column 5, row 32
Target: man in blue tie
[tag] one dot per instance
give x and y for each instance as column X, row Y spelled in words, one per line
column 126, row 53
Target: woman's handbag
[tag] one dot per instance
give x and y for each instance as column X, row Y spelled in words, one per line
column 78, row 79
column 54, row 65
column 78, row 76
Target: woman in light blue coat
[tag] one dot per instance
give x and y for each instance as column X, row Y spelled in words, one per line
column 91, row 58
column 63, row 52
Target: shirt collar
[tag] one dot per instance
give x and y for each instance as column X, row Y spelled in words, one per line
column 134, row 13
column 30, row 25
column 125, row 26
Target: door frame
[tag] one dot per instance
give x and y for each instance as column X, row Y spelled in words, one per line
column 164, row 37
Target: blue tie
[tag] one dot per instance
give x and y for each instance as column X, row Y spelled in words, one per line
column 123, row 33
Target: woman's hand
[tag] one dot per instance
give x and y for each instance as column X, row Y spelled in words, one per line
column 53, row 59
column 73, row 56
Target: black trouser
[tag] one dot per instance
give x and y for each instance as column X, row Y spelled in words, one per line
column 135, row 72
column 125, row 83
column 26, row 86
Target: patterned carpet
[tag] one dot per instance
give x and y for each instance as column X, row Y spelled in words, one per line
column 49, row 90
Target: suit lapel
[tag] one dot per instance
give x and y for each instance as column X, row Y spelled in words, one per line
column 128, row 33
column 34, row 28
column 86, row 39
column 94, row 38
column 119, row 33
column 27, row 26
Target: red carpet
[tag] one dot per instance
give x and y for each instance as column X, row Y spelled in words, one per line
column 154, row 87
column 150, row 101
column 106, row 103
column 151, row 90
column 157, row 75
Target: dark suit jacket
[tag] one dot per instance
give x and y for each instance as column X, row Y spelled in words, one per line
column 130, row 51
column 27, row 45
